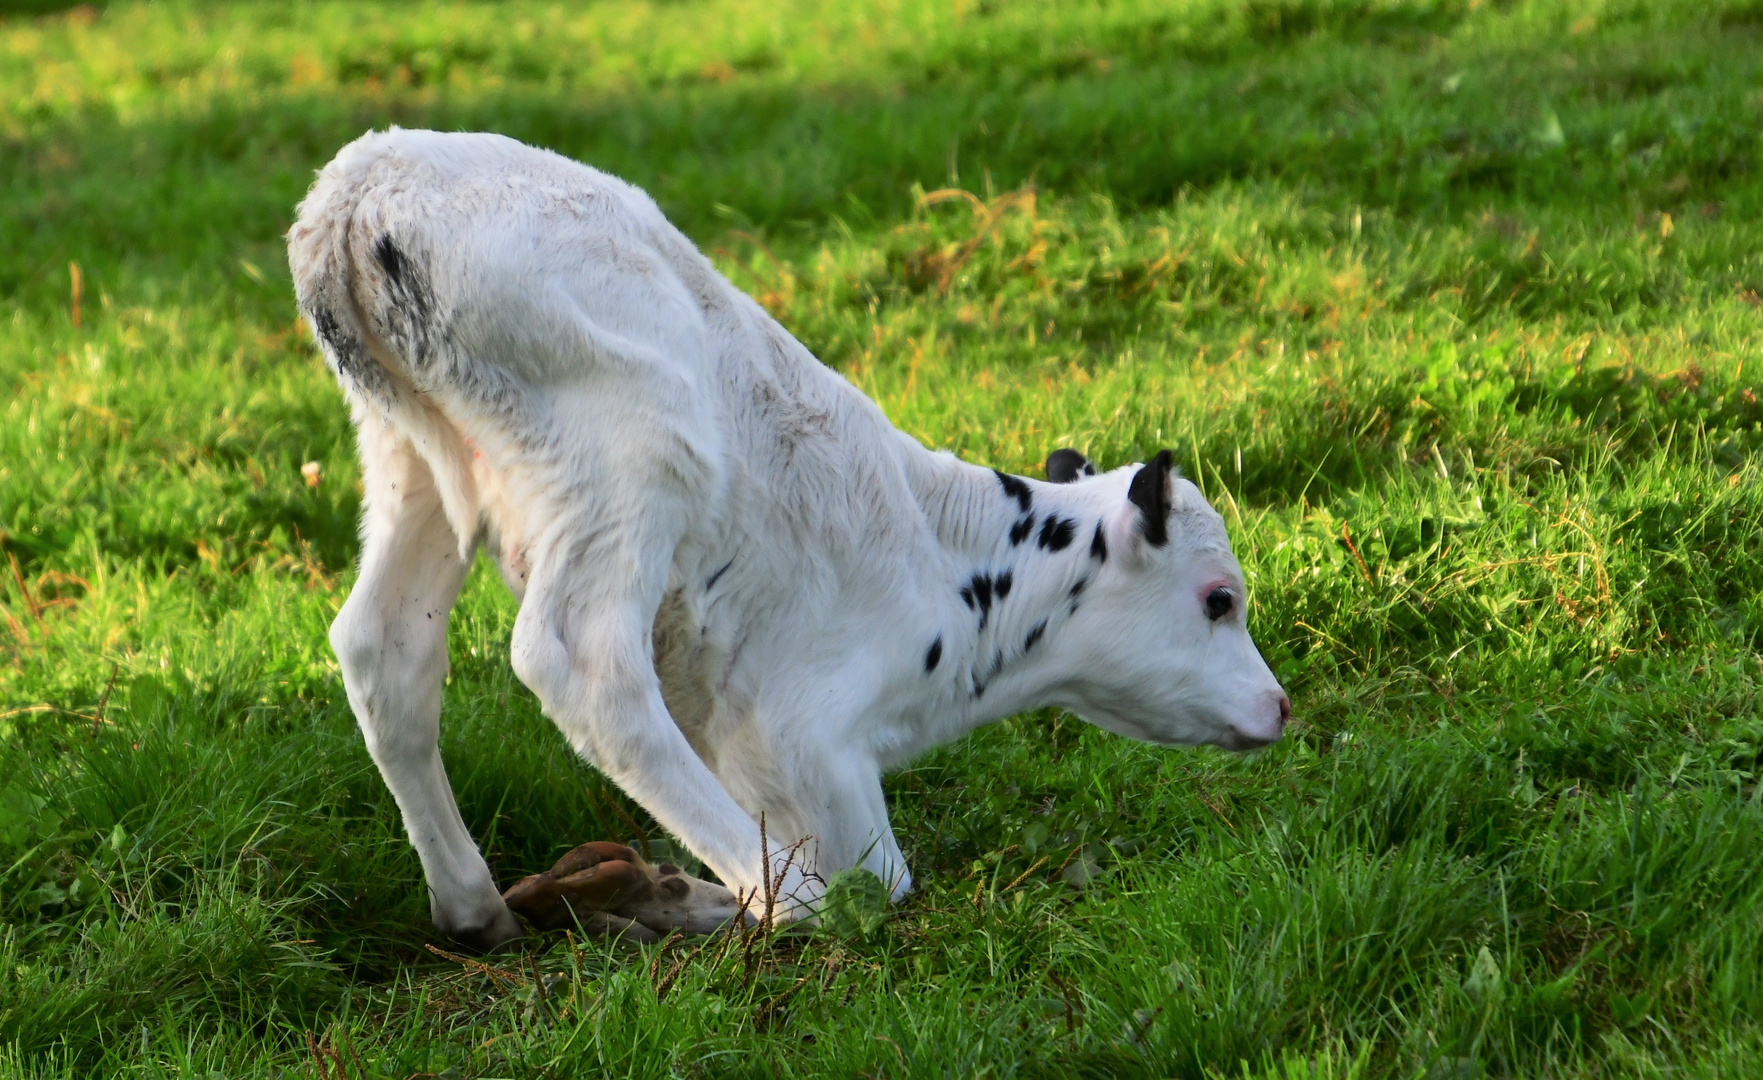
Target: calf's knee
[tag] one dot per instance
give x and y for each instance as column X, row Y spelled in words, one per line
column 354, row 640
column 393, row 689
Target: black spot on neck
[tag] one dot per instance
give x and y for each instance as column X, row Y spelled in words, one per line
column 977, row 593
column 1016, row 489
column 1001, row 585
column 1077, row 589
column 981, row 585
column 1019, row 531
column 1034, row 635
column 711, row 583
column 934, row 655
column 1056, row 534
column 1099, row 545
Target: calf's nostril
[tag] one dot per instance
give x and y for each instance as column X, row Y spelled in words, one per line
column 1285, row 709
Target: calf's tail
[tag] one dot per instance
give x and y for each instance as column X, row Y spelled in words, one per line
column 338, row 217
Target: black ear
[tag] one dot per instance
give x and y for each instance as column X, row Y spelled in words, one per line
column 1064, row 466
column 1149, row 492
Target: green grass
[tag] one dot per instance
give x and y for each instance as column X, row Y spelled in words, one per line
column 1453, row 307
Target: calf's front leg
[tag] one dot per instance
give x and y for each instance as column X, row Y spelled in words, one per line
column 830, row 793
column 840, row 802
column 583, row 643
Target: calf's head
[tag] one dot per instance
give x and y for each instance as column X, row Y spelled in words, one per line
column 1158, row 644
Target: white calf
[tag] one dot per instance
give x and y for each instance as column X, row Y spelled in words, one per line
column 742, row 591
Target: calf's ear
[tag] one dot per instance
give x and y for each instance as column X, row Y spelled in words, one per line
column 1064, row 466
column 1149, row 491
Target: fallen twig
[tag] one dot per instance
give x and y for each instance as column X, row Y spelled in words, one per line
column 24, row 590
column 104, row 698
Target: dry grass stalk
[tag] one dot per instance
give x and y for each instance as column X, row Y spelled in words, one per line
column 1020, row 878
column 989, row 216
column 495, row 974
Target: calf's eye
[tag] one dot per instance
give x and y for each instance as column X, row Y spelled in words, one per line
column 1218, row 604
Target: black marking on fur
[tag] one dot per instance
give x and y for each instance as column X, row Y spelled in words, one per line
column 329, row 331
column 977, row 593
column 711, row 582
column 981, row 586
column 411, row 327
column 1077, row 590
column 1149, row 491
column 391, row 260
column 1001, row 584
column 1016, row 489
column 1019, row 531
column 346, row 351
column 1034, row 635
column 1073, row 609
column 1056, row 534
column 935, row 655
column 1099, row 545
column 997, row 664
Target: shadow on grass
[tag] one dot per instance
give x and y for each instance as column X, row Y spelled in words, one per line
column 1339, row 104
column 1344, row 102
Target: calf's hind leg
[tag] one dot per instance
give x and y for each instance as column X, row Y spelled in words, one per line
column 391, row 640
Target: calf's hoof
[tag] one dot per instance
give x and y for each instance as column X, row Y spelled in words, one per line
column 609, row 889
column 501, row 930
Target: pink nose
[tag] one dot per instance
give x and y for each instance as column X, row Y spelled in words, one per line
column 1285, row 710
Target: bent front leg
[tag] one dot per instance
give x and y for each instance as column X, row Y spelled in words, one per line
column 865, row 824
column 583, row 644
column 831, row 793
column 391, row 641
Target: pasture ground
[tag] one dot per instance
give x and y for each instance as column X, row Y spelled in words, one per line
column 1453, row 307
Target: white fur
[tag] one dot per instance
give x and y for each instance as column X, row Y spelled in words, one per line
column 732, row 568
